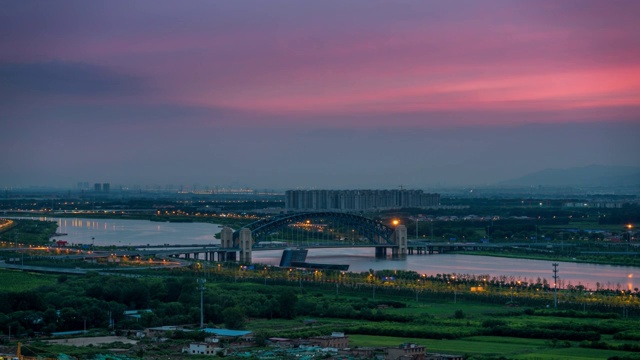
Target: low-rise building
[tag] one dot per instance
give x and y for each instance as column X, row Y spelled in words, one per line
column 281, row 342
column 162, row 330
column 406, row 351
column 337, row 340
column 202, row 348
column 435, row 356
column 358, row 353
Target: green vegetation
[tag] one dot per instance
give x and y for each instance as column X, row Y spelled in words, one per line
column 28, row 232
column 478, row 316
column 296, row 304
column 17, row 281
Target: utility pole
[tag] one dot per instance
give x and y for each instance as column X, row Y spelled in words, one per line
column 201, row 288
column 431, row 223
column 555, row 285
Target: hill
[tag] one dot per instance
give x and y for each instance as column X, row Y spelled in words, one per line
column 588, row 176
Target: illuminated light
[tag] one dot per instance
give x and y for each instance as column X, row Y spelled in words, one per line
column 630, row 276
column 395, row 222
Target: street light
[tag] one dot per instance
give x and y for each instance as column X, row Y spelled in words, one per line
column 629, row 227
column 417, row 221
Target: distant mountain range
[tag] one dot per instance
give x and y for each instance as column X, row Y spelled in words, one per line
column 588, row 176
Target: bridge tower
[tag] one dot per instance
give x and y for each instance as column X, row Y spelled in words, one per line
column 226, row 238
column 400, row 237
column 226, row 242
column 245, row 242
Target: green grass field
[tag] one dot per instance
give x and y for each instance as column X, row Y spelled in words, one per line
column 446, row 309
column 13, row 280
column 511, row 348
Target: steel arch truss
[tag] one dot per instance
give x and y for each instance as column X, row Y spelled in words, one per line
column 376, row 232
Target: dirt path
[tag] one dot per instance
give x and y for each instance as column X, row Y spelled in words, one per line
column 86, row 341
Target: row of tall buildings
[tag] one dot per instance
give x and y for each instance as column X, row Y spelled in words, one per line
column 358, row 200
column 97, row 187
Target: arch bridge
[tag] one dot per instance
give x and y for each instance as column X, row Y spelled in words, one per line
column 316, row 229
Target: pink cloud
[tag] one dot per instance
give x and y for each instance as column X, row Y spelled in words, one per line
column 345, row 59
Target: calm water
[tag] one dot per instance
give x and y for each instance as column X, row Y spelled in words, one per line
column 107, row 232
column 362, row 259
column 139, row 232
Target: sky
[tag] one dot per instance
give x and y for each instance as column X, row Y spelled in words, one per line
column 314, row 94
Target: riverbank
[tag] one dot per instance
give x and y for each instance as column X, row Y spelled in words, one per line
column 231, row 220
column 617, row 260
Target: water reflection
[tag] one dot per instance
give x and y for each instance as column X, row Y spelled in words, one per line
column 118, row 232
column 591, row 276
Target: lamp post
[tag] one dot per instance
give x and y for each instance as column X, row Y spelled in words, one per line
column 555, row 285
column 455, row 290
column 431, row 223
column 373, row 285
column 201, row 288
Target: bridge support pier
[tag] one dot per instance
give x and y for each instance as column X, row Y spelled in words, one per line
column 381, row 252
column 229, row 256
column 226, row 238
column 245, row 245
column 226, row 243
column 400, row 237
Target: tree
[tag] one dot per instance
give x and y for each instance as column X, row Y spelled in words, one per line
column 287, row 304
column 260, row 338
column 234, row 318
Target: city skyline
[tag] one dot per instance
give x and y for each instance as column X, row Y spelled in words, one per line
column 329, row 94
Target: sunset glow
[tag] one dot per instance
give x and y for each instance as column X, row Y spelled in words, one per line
column 185, row 70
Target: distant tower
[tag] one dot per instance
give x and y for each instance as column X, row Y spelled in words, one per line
column 106, row 187
column 97, row 187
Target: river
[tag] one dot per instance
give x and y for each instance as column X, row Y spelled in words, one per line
column 118, row 232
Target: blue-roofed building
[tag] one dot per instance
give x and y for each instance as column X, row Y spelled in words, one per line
column 69, row 333
column 227, row 332
column 136, row 314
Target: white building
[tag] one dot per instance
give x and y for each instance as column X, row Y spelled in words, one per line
column 202, row 348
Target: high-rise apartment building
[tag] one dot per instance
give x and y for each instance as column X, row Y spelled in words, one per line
column 358, row 200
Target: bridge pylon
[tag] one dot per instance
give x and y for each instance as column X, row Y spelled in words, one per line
column 226, row 238
column 226, row 242
column 400, row 238
column 245, row 242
